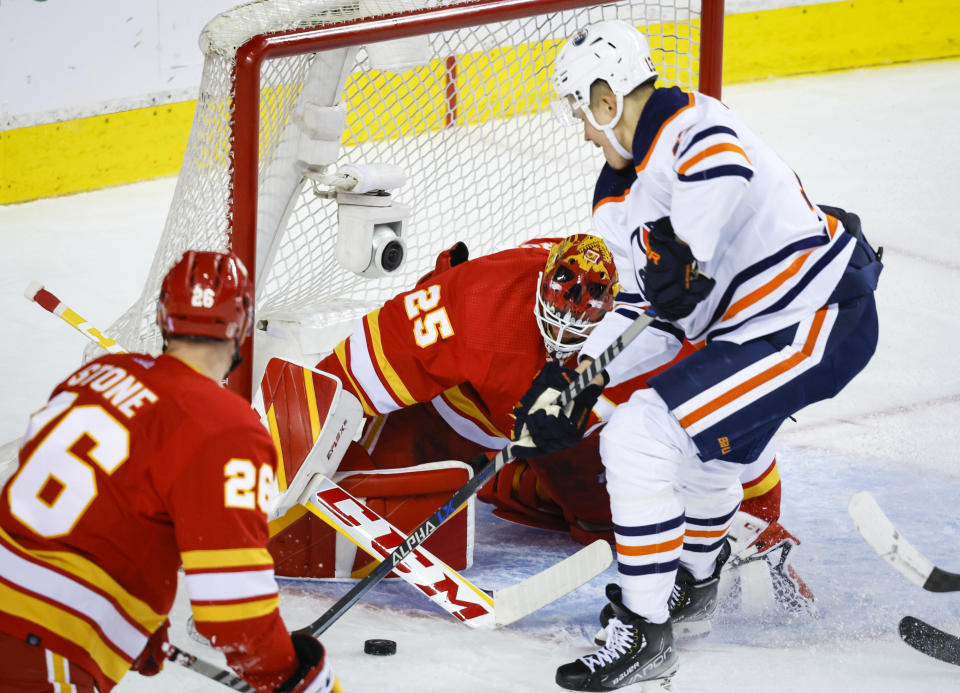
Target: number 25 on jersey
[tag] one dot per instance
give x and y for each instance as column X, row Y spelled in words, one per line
column 430, row 322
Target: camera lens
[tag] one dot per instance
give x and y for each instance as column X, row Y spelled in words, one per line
column 391, row 257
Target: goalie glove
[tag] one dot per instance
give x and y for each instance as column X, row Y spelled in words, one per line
column 312, row 675
column 671, row 281
column 541, row 427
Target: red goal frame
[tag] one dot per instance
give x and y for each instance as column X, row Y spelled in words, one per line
column 252, row 54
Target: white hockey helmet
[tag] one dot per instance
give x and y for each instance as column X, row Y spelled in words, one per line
column 611, row 50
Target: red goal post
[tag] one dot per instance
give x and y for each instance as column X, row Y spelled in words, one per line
column 455, row 94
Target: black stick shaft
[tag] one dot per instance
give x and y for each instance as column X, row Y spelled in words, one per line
column 941, row 580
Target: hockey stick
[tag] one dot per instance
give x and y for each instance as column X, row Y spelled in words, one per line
column 307, row 414
column 880, row 533
column 475, row 607
column 931, row 641
column 484, row 472
column 444, row 586
column 46, row 300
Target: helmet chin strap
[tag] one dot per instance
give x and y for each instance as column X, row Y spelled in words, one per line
column 608, row 128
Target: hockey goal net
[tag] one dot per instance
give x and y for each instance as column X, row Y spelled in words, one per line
column 454, row 94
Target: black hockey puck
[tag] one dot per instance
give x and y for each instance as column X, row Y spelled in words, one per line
column 376, row 646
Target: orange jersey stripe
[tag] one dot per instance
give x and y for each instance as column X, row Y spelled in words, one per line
column 760, row 378
column 710, row 151
column 832, row 224
column 612, row 198
column 653, row 144
column 768, row 288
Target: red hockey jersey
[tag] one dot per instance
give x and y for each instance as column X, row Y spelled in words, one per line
column 136, row 466
column 464, row 339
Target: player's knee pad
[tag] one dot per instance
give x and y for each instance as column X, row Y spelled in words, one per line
column 709, row 488
column 644, row 425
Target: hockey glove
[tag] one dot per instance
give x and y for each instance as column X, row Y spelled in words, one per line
column 150, row 661
column 312, row 675
column 541, row 427
column 670, row 279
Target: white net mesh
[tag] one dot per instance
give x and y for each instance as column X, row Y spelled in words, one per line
column 470, row 125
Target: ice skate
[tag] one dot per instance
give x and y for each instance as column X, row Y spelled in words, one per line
column 635, row 651
column 692, row 603
column 696, row 600
column 754, row 539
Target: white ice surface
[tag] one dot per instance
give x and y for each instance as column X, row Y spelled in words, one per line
column 881, row 142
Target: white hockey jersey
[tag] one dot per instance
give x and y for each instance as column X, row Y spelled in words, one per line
column 775, row 256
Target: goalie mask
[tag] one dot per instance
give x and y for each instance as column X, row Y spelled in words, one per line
column 577, row 287
column 206, row 294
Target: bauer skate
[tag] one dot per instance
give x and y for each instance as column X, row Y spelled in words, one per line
column 692, row 603
column 635, row 651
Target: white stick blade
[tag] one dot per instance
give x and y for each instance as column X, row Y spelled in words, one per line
column 515, row 602
column 880, row 533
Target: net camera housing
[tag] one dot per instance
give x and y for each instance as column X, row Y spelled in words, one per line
column 370, row 235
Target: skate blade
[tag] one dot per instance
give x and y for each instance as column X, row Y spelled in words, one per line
column 664, row 684
column 692, row 630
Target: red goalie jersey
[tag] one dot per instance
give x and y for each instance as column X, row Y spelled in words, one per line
column 465, row 339
column 136, row 466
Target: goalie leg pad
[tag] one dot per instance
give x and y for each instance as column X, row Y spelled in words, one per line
column 405, row 497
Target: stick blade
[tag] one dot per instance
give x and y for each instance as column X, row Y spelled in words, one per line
column 515, row 602
column 930, row 641
column 880, row 533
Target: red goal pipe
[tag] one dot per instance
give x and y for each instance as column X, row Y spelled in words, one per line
column 711, row 47
column 251, row 55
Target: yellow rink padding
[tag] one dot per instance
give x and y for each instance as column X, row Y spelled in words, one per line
column 89, row 153
column 838, row 36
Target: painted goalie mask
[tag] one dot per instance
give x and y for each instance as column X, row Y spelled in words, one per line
column 576, row 289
